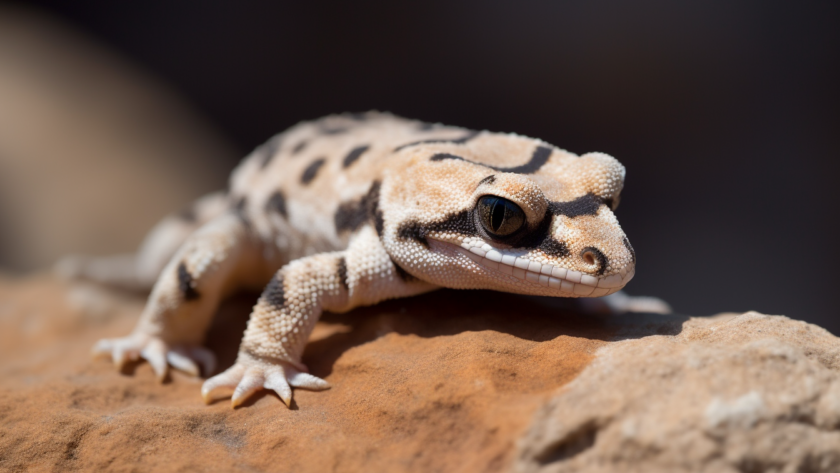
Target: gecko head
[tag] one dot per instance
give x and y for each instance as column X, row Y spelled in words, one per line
column 463, row 220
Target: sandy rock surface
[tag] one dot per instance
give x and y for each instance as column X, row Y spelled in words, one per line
column 736, row 393
column 451, row 381
column 414, row 387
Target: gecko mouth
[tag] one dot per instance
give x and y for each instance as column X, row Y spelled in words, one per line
column 550, row 276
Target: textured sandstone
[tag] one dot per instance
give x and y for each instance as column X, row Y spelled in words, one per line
column 415, row 388
column 745, row 393
column 451, row 381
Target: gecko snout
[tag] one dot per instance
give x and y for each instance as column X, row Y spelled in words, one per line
column 595, row 262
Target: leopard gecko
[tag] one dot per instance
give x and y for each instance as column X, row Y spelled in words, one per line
column 353, row 209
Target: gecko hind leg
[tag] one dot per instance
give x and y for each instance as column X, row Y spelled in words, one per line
column 219, row 258
column 139, row 271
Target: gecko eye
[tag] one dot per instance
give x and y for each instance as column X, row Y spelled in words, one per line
column 500, row 217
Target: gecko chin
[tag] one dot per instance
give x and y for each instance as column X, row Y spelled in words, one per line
column 512, row 271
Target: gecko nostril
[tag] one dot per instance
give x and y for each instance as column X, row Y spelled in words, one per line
column 594, row 257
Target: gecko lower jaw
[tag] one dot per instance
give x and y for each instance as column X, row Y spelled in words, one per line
column 546, row 275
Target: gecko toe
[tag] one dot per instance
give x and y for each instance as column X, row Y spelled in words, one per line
column 155, row 353
column 278, row 383
column 229, row 379
column 251, row 382
column 180, row 361
column 307, row 381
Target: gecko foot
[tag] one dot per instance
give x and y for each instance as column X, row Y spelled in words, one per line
column 248, row 376
column 157, row 353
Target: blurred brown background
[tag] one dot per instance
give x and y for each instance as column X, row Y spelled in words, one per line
column 726, row 114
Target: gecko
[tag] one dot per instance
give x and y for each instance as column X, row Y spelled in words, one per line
column 353, row 209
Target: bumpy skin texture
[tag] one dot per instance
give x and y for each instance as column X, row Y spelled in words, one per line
column 350, row 210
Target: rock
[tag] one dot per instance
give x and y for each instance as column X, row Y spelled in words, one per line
column 93, row 150
column 414, row 387
column 734, row 393
column 463, row 381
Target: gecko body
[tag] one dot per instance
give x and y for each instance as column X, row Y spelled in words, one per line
column 353, row 209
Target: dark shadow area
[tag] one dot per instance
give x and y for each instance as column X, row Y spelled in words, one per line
column 439, row 314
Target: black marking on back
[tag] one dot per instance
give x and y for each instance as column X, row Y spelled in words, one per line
column 274, row 293
column 353, row 155
column 186, row 283
column 299, row 147
column 584, row 205
column 630, row 249
column 374, row 212
column 426, row 126
column 277, row 203
column 269, row 150
column 599, row 256
column 402, row 273
column 350, row 216
column 538, row 159
column 470, row 135
column 311, row 171
column 341, row 273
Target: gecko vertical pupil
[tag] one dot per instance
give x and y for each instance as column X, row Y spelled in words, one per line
column 500, row 217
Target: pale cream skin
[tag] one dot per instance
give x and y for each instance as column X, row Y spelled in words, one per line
column 348, row 211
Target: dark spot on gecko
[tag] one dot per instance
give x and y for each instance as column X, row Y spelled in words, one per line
column 333, row 131
column 358, row 116
column 426, row 126
column 630, row 249
column 470, row 135
column 598, row 256
column 186, row 284
column 350, row 216
column 353, row 155
column 342, row 273
column 274, row 293
column 538, row 159
column 239, row 205
column 487, row 180
column 584, row 205
column 541, row 238
column 277, row 203
column 374, row 212
column 311, row 171
column 460, row 222
column 404, row 275
column 239, row 209
column 299, row 147
column 269, row 150
column 188, row 215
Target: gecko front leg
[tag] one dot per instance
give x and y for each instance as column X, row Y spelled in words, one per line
column 281, row 322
